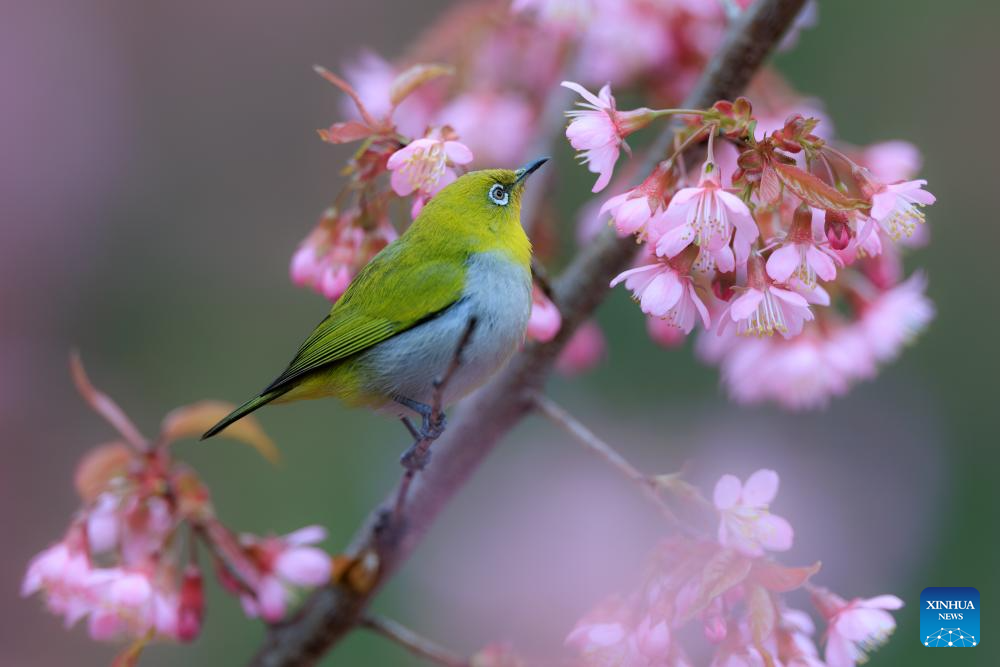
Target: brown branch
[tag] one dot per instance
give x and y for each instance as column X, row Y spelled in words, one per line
column 412, row 642
column 589, row 439
column 333, row 611
column 417, row 456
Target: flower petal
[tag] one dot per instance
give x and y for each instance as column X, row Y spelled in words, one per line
column 727, row 492
column 760, row 488
column 783, row 262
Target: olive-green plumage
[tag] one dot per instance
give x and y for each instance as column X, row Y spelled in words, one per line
column 397, row 325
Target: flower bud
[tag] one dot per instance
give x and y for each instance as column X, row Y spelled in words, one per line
column 722, row 286
column 191, row 610
column 837, row 231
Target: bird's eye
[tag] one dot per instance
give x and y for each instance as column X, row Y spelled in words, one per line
column 499, row 195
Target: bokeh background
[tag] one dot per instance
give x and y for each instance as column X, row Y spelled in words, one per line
column 158, row 165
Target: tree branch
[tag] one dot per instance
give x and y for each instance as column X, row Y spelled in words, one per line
column 333, row 611
column 412, row 642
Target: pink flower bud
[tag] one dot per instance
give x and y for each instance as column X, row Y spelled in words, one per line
column 191, row 609
column 837, row 230
column 583, row 351
column 304, row 566
column 545, row 320
column 334, row 282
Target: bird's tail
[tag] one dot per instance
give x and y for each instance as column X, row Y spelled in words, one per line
column 244, row 410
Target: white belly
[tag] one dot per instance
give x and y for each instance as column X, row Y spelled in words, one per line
column 498, row 295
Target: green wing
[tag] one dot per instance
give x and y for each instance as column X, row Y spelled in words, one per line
column 397, row 290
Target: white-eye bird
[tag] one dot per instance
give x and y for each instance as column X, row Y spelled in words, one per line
column 397, row 327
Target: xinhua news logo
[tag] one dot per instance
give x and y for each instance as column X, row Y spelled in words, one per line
column 949, row 617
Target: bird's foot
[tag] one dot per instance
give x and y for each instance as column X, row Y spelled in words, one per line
column 432, row 429
column 416, row 457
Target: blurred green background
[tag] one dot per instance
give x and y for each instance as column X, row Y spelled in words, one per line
column 159, row 165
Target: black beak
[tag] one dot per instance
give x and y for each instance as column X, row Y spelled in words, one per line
column 529, row 169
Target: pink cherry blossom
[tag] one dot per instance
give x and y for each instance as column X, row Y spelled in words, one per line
column 104, row 523
column 664, row 292
column 745, row 522
column 897, row 207
column 591, row 637
column 855, row 628
column 796, row 647
column 545, row 321
column 129, row 606
column 896, row 317
column 765, row 309
column 647, row 644
column 426, row 165
column 892, row 161
column 285, row 563
column 119, row 603
column 329, row 258
column 598, row 130
column 800, row 255
column 496, row 126
column 584, row 350
column 64, row 574
column 630, row 212
column 708, row 216
column 623, row 39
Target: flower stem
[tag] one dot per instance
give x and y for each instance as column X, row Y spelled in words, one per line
column 560, row 417
column 412, row 642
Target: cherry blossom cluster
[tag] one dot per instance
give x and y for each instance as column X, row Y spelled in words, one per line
column 719, row 597
column 472, row 93
column 129, row 563
column 781, row 245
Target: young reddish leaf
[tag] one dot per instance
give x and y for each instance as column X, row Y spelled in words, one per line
column 346, row 132
column 98, row 467
column 414, row 77
column 727, row 568
column 780, row 579
column 349, row 90
column 770, row 186
column 193, row 420
column 814, row 191
column 103, row 405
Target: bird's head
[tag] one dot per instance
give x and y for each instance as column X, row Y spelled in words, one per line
column 482, row 205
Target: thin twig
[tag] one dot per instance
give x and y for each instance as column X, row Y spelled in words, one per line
column 564, row 420
column 331, row 612
column 416, row 457
column 413, row 642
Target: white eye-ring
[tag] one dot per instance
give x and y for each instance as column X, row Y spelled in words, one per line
column 499, row 195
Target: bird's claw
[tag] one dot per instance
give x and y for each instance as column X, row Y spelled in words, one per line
column 432, row 429
column 415, row 458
